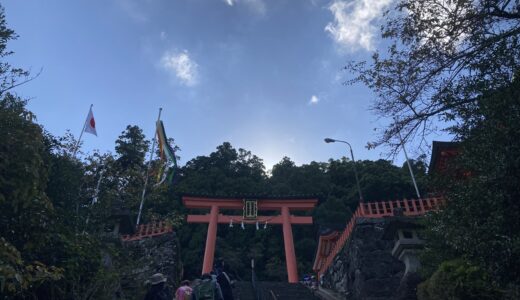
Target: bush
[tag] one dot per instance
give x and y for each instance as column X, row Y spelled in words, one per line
column 458, row 279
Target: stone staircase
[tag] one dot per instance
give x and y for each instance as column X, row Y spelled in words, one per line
column 273, row 291
column 285, row 290
column 243, row 290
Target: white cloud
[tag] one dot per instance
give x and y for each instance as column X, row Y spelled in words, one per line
column 314, row 100
column 353, row 25
column 133, row 9
column 257, row 6
column 163, row 36
column 182, row 66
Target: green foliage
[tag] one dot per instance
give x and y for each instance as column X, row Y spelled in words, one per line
column 46, row 251
column 20, row 137
column 43, row 192
column 131, row 147
column 333, row 212
column 458, row 280
column 26, row 209
column 480, row 222
column 275, row 268
column 16, row 276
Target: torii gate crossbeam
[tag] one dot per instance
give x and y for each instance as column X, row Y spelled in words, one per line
column 284, row 206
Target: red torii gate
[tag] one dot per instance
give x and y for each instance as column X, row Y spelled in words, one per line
column 284, row 205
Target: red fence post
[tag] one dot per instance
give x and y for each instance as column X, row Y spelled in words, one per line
column 414, row 206
column 406, row 208
column 421, row 204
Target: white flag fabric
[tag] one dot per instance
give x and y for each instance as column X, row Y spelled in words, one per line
column 90, row 123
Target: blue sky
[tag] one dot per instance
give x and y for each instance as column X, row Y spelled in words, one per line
column 263, row 75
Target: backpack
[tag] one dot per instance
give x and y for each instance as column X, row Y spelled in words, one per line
column 205, row 290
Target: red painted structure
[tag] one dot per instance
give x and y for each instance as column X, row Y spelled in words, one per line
column 284, row 206
column 443, row 154
column 330, row 245
column 148, row 230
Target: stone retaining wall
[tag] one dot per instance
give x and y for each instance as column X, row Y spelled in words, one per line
column 147, row 256
column 365, row 268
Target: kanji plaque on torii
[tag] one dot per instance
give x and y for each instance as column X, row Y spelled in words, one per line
column 283, row 205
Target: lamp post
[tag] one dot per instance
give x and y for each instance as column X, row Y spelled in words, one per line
column 329, row 140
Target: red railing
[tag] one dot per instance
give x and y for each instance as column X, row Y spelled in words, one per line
column 410, row 207
column 148, row 230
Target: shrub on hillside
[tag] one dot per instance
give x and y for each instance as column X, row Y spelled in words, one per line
column 458, row 279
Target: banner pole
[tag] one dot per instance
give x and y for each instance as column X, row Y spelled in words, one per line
column 409, row 166
column 81, row 134
column 96, row 194
column 147, row 170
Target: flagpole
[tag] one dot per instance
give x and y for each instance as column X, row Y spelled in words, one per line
column 96, row 192
column 81, row 134
column 409, row 166
column 146, row 174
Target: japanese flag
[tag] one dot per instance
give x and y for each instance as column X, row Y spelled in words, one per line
column 90, row 123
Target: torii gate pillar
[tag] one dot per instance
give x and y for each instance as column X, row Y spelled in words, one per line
column 211, row 240
column 290, row 257
column 285, row 219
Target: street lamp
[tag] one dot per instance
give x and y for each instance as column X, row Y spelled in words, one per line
column 329, row 140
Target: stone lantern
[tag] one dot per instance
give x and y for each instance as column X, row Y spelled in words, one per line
column 121, row 219
column 403, row 230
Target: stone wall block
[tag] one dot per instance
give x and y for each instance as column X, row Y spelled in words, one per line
column 365, row 268
column 158, row 254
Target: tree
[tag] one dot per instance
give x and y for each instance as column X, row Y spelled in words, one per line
column 333, row 212
column 458, row 61
column 45, row 250
column 458, row 279
column 442, row 56
column 480, row 222
column 132, row 147
column 26, row 210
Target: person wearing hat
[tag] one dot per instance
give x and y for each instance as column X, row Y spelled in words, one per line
column 157, row 291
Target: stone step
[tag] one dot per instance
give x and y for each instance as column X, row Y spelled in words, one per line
column 243, row 290
column 285, row 290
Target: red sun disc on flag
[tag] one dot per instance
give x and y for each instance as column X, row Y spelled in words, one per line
column 92, row 123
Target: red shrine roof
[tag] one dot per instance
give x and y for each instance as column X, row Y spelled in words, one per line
column 442, row 153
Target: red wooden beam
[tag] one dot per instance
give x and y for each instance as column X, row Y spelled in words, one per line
column 223, row 219
column 237, row 203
